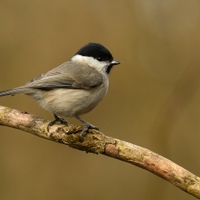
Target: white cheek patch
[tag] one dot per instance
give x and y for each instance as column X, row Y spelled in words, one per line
column 99, row 66
column 77, row 58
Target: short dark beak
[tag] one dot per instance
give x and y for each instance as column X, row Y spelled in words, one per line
column 115, row 62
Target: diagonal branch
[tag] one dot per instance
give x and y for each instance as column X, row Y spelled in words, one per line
column 96, row 142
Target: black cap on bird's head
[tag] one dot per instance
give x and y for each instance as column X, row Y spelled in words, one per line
column 98, row 52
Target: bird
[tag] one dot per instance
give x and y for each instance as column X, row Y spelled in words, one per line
column 73, row 88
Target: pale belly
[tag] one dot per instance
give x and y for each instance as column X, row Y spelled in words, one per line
column 70, row 102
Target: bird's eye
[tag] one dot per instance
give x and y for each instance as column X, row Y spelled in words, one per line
column 99, row 59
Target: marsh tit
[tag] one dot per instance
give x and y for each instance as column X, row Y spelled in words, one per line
column 73, row 88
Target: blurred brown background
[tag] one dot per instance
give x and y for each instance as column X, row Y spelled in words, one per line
column 153, row 99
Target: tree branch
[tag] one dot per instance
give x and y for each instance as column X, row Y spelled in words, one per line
column 96, row 142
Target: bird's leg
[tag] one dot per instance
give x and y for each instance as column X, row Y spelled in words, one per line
column 86, row 127
column 57, row 119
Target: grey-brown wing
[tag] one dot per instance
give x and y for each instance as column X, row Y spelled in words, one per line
column 68, row 76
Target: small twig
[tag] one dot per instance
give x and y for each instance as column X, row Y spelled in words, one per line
column 96, row 142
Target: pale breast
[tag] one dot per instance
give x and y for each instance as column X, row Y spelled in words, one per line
column 70, row 102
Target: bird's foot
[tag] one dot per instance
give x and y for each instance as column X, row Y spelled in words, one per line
column 57, row 119
column 86, row 127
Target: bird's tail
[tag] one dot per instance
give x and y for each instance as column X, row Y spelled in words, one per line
column 14, row 91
